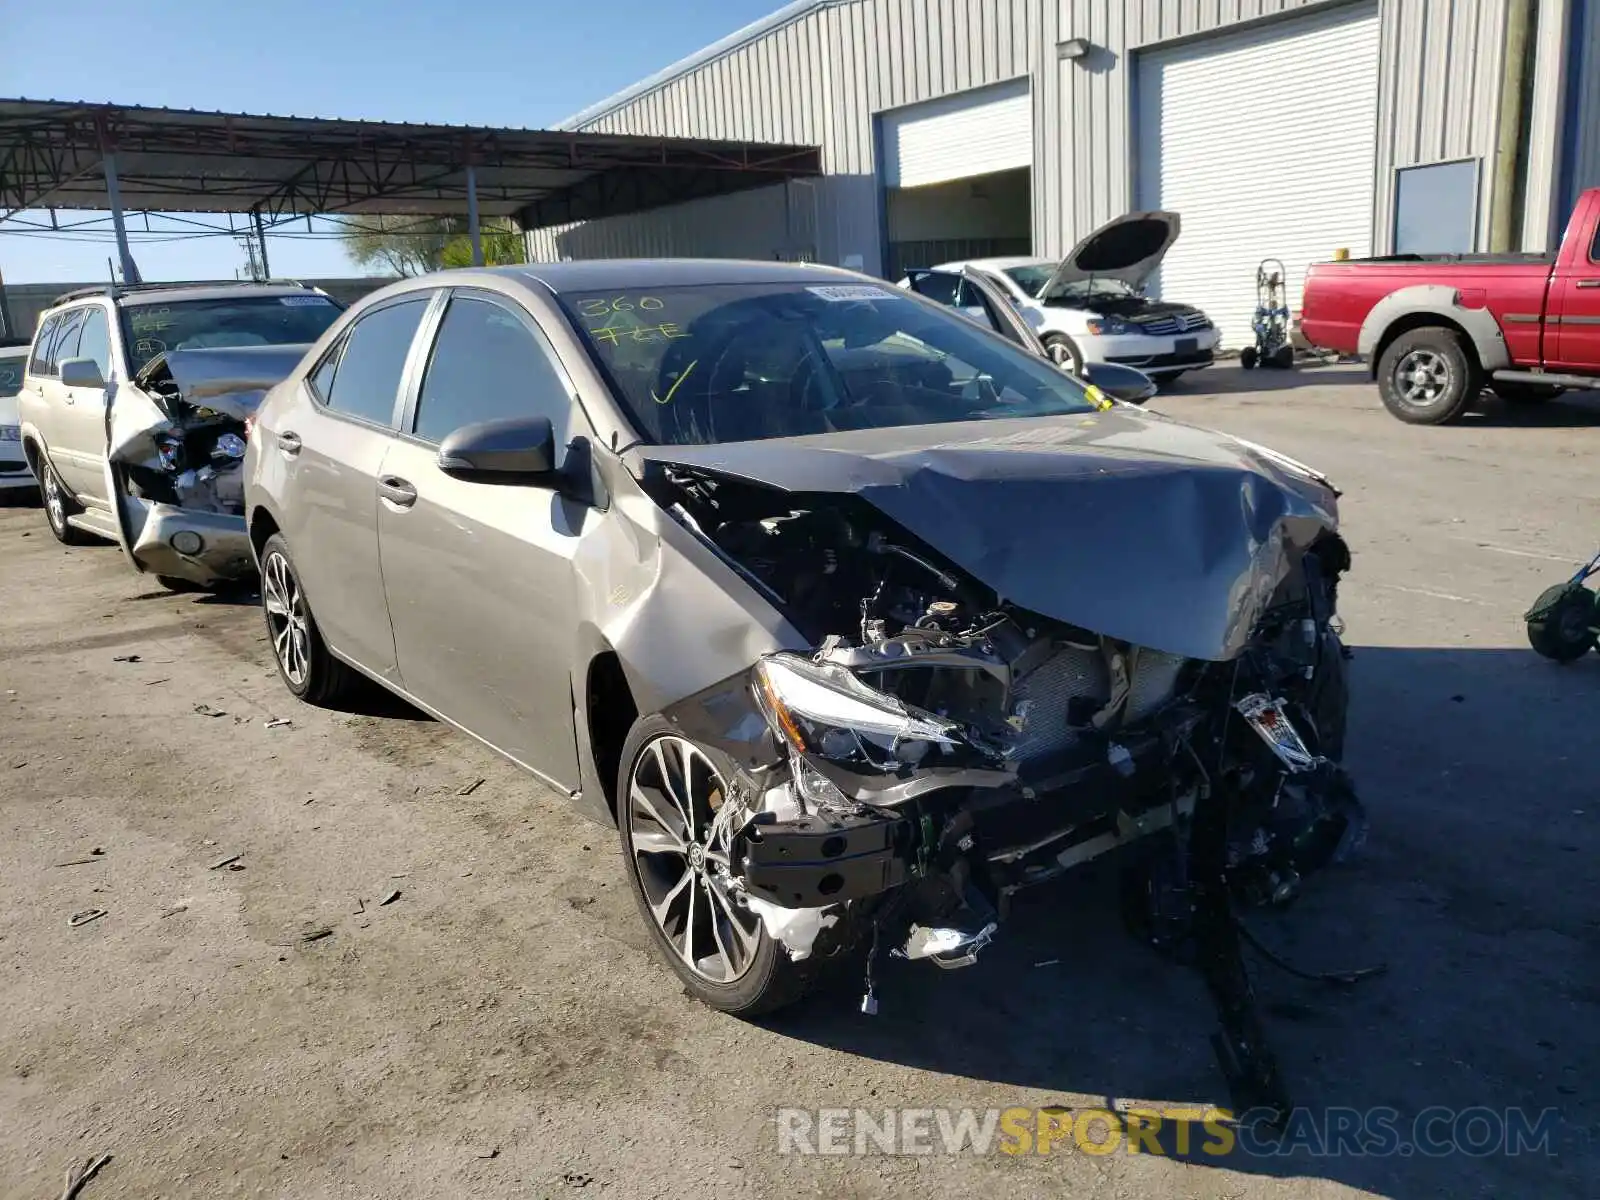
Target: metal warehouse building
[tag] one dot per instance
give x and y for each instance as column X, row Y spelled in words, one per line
column 1285, row 128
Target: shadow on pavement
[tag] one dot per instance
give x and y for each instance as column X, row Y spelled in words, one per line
column 1478, row 890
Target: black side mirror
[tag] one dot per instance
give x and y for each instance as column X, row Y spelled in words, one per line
column 1127, row 384
column 515, row 450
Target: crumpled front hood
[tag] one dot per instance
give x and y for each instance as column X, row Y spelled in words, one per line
column 1122, row 522
column 229, row 380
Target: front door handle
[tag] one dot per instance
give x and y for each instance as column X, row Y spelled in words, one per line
column 397, row 491
column 1589, row 283
column 289, row 443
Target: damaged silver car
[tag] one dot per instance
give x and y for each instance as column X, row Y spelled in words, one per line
column 855, row 617
column 135, row 409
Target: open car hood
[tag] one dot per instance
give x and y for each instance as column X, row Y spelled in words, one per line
column 1121, row 522
column 1129, row 248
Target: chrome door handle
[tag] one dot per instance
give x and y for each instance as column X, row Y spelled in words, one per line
column 1589, row 283
column 289, row 443
column 397, row 491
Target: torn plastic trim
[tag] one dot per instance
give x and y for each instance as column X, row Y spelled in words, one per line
column 795, row 929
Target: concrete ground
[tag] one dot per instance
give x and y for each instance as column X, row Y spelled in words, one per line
column 500, row 1029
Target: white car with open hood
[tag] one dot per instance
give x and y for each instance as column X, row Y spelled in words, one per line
column 1090, row 307
column 15, row 477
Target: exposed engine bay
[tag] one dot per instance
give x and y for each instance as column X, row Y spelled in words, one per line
column 177, row 436
column 194, row 457
column 941, row 747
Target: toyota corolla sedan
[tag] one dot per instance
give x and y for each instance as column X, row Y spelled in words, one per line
column 853, row 616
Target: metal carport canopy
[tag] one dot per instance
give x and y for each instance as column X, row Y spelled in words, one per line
column 76, row 155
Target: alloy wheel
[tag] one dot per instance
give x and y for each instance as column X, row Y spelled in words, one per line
column 681, row 855
column 55, row 506
column 1421, row 377
column 287, row 620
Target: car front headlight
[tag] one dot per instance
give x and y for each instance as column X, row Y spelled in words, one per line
column 823, row 709
column 1110, row 326
column 10, row 433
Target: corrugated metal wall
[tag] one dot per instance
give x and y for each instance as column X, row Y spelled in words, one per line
column 823, row 77
column 1585, row 142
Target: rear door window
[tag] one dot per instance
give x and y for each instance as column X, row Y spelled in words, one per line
column 936, row 285
column 488, row 365
column 366, row 381
column 39, row 364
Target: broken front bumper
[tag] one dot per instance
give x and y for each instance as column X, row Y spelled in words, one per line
column 203, row 548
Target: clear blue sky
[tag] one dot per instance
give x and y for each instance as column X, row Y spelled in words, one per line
column 493, row 62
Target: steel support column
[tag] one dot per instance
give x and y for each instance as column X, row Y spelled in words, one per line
column 130, row 270
column 261, row 241
column 472, row 216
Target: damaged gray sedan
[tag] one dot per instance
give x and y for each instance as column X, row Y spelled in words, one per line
column 855, row 617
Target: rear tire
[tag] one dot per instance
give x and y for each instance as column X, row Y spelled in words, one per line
column 58, row 506
column 1282, row 358
column 1064, row 352
column 1428, row 377
column 305, row 664
column 701, row 932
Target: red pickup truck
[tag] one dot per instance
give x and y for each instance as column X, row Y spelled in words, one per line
column 1437, row 328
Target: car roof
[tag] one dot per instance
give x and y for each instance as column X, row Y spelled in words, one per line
column 634, row 273
column 997, row 264
column 180, row 292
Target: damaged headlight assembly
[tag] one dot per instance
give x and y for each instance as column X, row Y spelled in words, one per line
column 824, row 709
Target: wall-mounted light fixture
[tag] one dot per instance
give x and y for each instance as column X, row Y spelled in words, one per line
column 1074, row 48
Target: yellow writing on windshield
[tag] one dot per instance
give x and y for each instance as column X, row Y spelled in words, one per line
column 676, row 384
column 612, row 335
column 604, row 308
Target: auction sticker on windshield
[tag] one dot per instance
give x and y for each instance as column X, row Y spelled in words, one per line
column 852, row 291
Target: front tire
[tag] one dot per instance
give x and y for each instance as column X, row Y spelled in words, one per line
column 1428, row 377
column 305, row 664
column 669, row 791
column 1166, row 378
column 1247, row 358
column 1064, row 352
column 58, row 506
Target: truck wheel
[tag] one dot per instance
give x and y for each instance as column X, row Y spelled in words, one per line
column 1524, row 393
column 1427, row 376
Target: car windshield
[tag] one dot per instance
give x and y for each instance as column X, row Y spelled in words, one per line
column 1032, row 277
column 11, row 367
column 150, row 328
column 740, row 362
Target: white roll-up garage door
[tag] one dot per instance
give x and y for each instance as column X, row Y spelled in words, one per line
column 1264, row 142
column 971, row 133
